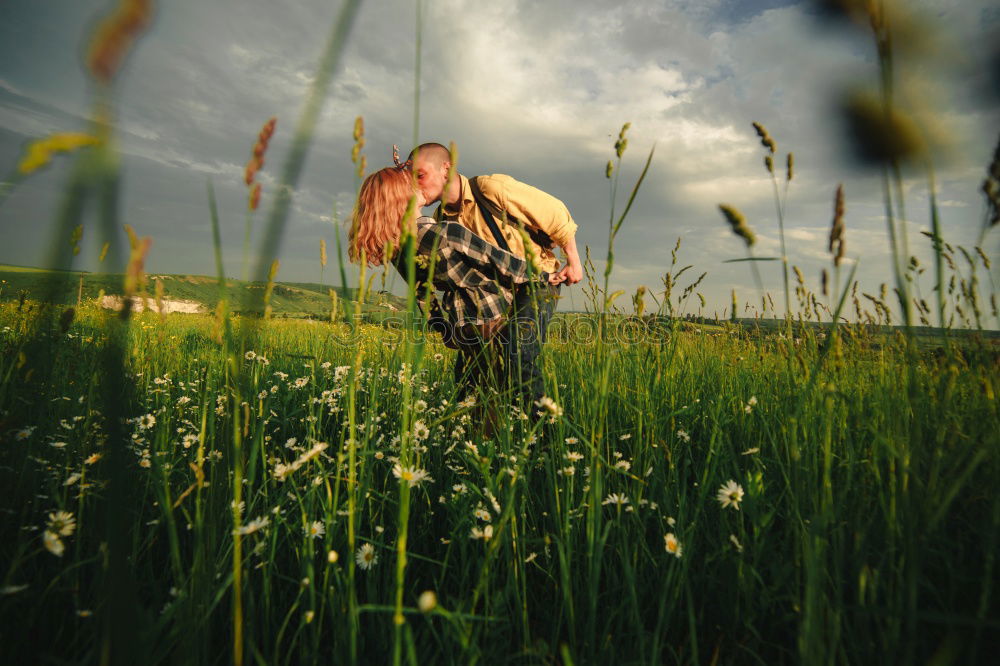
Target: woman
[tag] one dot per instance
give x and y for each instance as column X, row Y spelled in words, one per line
column 475, row 277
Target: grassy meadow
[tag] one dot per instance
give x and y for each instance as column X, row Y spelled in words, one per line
column 862, row 528
column 244, row 487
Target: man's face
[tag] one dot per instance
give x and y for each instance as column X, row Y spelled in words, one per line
column 431, row 178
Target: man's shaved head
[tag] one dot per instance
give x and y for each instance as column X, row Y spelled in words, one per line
column 432, row 153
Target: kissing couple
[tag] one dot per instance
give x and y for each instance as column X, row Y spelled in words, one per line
column 495, row 276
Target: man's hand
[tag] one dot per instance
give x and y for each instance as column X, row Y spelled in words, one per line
column 571, row 273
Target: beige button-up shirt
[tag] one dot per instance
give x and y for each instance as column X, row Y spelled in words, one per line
column 538, row 210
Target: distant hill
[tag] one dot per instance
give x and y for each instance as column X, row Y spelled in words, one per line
column 297, row 299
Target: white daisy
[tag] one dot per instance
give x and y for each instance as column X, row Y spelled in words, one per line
column 672, row 545
column 366, row 557
column 730, row 494
column 616, row 499
column 413, row 476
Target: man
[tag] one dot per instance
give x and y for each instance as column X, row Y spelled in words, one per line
column 498, row 208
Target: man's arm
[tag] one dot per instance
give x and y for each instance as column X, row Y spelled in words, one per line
column 572, row 272
column 546, row 213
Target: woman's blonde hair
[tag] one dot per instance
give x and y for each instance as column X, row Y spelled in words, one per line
column 378, row 215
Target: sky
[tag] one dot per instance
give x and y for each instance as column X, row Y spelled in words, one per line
column 535, row 90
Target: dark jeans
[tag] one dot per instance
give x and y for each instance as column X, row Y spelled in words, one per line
column 517, row 346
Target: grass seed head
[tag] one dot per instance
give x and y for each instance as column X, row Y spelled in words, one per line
column 836, row 246
column 738, row 223
column 114, row 35
column 765, row 138
column 254, row 200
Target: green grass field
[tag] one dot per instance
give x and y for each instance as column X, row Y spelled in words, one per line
column 863, row 530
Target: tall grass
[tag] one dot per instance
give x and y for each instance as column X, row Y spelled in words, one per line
column 251, row 490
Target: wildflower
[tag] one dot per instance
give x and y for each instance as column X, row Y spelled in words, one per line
column 92, row 458
column 683, row 436
column 24, row 433
column 616, row 499
column 282, row 471
column 438, row 357
column 147, row 421
column 751, row 451
column 301, row 382
column 189, row 440
column 623, row 465
column 57, row 445
column 625, row 436
column 569, row 470
column 308, row 616
column 62, row 523
column 571, row 440
column 419, row 405
column 254, row 525
column 316, row 529
column 427, row 601
column 573, row 456
column 482, row 514
column 53, row 543
column 291, row 442
column 671, row 521
column 420, row 431
column 332, row 557
column 468, row 402
column 485, row 533
column 730, row 494
column 183, row 400
column 73, row 478
column 250, row 355
column 366, row 557
column 84, row 613
column 413, row 476
column 672, row 545
column 548, row 407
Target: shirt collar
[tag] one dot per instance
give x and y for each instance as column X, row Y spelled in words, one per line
column 465, row 197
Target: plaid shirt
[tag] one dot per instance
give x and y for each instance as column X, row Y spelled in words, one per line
column 477, row 278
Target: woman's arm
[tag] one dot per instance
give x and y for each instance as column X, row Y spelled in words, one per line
column 437, row 321
column 455, row 244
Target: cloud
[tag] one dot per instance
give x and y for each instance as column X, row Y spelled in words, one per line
column 535, row 90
